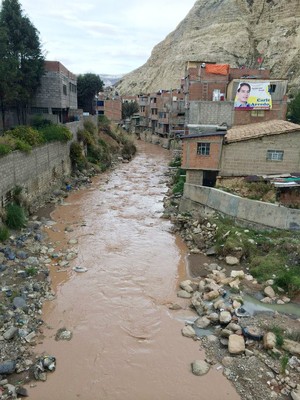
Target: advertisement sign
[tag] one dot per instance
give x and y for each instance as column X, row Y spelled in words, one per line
column 251, row 95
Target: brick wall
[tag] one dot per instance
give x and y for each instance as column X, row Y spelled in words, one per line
column 192, row 160
column 249, row 157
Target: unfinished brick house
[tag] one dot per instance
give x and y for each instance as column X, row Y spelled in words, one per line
column 57, row 95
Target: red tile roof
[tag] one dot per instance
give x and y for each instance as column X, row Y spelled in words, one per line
column 251, row 131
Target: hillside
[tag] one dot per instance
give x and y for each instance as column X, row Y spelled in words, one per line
column 225, row 31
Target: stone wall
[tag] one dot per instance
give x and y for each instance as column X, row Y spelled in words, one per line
column 249, row 212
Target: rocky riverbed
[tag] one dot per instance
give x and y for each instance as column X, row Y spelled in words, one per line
column 258, row 351
column 243, row 345
column 25, row 285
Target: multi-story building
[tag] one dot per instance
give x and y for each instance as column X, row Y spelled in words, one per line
column 57, row 95
column 110, row 106
column 212, row 92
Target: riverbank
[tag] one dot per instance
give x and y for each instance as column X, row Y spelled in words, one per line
column 257, row 349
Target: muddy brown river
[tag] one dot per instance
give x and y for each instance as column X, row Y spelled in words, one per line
column 126, row 344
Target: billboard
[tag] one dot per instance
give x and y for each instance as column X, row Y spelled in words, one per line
column 251, row 95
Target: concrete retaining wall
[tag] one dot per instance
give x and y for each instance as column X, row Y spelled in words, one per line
column 251, row 212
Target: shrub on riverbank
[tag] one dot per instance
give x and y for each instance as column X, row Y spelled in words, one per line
column 25, row 138
column 99, row 148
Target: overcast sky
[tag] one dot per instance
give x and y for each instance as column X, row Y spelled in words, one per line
column 103, row 36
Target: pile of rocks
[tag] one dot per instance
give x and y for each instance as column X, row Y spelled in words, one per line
column 239, row 339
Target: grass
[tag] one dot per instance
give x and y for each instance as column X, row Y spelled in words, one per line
column 268, row 254
column 15, row 216
column 278, row 332
column 31, row 271
column 4, row 233
column 284, row 363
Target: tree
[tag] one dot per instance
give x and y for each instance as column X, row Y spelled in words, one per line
column 23, row 57
column 88, row 86
column 8, row 74
column 294, row 109
column 129, row 108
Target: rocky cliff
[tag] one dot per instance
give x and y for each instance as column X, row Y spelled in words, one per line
column 236, row 32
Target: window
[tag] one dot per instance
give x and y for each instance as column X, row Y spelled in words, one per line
column 274, row 155
column 100, row 112
column 100, row 103
column 142, row 108
column 39, row 110
column 65, row 89
column 203, row 149
column 272, row 88
column 257, row 113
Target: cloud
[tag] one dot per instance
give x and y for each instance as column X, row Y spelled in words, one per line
column 100, row 36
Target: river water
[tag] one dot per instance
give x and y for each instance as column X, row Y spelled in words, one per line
column 127, row 343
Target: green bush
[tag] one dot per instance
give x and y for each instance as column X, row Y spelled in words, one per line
column 278, row 332
column 55, row 132
column 4, row 233
column 77, row 157
column 5, row 149
column 289, row 280
column 176, row 162
column 263, row 267
column 28, row 134
column 85, row 136
column 15, row 216
column 22, row 146
column 90, row 127
column 179, row 186
column 39, row 122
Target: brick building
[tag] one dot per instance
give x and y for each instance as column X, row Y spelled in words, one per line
column 111, row 107
column 270, row 147
column 210, row 91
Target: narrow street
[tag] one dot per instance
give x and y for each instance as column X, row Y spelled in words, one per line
column 127, row 343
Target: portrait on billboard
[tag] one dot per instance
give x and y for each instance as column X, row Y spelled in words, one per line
column 252, row 95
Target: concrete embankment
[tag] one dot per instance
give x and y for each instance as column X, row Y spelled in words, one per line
column 256, row 213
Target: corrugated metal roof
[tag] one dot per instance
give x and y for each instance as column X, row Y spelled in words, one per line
column 260, row 129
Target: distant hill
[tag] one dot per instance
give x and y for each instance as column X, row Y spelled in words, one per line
column 236, row 32
column 110, row 80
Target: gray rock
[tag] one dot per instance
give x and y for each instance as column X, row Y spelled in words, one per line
column 225, row 317
column 184, row 294
column 188, row 331
column 230, row 260
column 200, row 367
column 10, row 333
column 8, row 367
column 19, row 302
column 269, row 292
column 202, row 322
